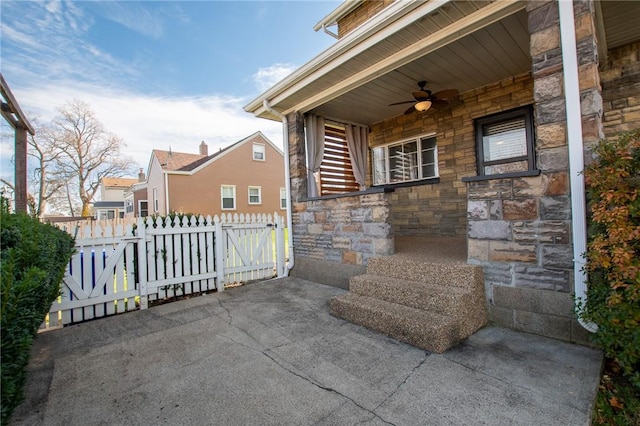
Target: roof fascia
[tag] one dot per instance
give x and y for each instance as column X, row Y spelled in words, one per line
column 15, row 108
column 461, row 28
column 337, row 14
column 341, row 48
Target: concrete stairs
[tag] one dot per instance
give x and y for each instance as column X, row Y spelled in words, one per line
column 429, row 305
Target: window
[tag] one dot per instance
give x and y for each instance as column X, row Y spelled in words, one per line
column 228, row 193
column 156, row 206
column 336, row 173
column 405, row 161
column 143, row 208
column 128, row 205
column 505, row 142
column 259, row 152
column 283, row 198
column 255, row 195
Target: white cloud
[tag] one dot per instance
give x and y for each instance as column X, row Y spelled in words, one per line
column 135, row 17
column 265, row 78
column 146, row 123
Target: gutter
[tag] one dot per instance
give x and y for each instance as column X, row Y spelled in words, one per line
column 287, row 182
column 166, row 193
column 576, row 154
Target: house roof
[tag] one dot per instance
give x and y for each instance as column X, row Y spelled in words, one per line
column 119, row 182
column 171, row 161
column 452, row 44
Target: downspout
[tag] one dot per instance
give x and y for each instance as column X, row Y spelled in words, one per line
column 576, row 153
column 166, row 193
column 287, row 180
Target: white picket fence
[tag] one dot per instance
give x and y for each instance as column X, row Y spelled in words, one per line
column 124, row 267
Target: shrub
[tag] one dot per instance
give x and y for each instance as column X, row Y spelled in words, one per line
column 33, row 257
column 613, row 251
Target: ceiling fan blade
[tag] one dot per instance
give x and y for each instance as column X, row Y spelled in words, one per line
column 411, row 109
column 403, row 102
column 445, row 94
column 439, row 103
column 421, row 95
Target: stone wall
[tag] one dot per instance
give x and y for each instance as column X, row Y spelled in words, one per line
column 520, row 229
column 620, row 78
column 360, row 14
column 440, row 208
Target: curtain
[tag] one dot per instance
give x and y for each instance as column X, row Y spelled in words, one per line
column 314, row 127
column 357, row 143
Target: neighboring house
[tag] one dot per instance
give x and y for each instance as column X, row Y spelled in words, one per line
column 497, row 161
column 111, row 204
column 246, row 177
column 135, row 198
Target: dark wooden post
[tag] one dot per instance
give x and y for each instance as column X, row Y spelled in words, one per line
column 20, row 184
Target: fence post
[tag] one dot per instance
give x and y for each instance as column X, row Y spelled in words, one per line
column 220, row 255
column 280, row 247
column 142, row 263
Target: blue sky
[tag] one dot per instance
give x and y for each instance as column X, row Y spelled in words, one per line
column 159, row 74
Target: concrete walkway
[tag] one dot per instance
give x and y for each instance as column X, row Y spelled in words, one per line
column 270, row 354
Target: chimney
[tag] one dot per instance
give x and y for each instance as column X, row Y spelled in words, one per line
column 141, row 176
column 204, row 149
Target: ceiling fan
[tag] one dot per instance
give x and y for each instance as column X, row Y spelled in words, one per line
column 424, row 99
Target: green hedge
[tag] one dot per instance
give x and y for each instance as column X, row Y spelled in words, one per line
column 33, row 258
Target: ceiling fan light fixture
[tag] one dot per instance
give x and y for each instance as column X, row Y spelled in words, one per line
column 423, row 105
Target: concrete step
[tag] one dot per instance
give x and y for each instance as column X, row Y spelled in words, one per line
column 426, row 330
column 465, row 306
column 459, row 275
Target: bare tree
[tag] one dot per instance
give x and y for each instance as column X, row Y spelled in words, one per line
column 47, row 179
column 88, row 151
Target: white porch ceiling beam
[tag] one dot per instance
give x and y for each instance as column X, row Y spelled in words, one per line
column 459, row 29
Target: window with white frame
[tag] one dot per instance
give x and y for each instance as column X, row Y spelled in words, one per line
column 143, row 208
column 128, row 205
column 156, row 203
column 259, row 152
column 406, row 161
column 255, row 195
column 283, row 198
column 505, row 142
column 228, row 194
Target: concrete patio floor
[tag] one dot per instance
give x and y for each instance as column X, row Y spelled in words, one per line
column 269, row 353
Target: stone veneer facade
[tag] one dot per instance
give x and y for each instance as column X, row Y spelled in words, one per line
column 518, row 229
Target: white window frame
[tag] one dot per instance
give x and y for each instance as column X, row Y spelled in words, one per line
column 383, row 161
column 222, row 197
column 254, row 203
column 283, row 198
column 156, row 203
column 259, row 148
column 140, row 209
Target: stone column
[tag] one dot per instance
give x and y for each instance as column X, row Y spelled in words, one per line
column 297, row 157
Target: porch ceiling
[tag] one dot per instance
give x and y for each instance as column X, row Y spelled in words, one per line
column 450, row 44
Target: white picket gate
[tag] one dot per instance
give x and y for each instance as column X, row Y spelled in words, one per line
column 122, row 268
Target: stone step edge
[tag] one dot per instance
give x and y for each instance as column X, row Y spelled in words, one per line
column 423, row 329
column 464, row 275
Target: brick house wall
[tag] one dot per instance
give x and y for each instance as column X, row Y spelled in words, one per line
column 620, row 78
column 365, row 11
column 441, row 208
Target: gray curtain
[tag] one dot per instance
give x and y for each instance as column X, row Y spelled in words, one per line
column 357, row 143
column 314, row 129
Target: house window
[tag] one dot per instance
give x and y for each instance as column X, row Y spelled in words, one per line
column 505, row 142
column 259, row 152
column 255, row 195
column 228, row 193
column 143, row 208
column 336, row 173
column 283, row 198
column 156, row 203
column 405, row 161
column 129, row 206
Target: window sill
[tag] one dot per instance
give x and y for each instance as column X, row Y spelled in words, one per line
column 372, row 190
column 528, row 173
column 428, row 181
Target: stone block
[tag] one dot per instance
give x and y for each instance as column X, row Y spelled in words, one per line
column 555, row 208
column 489, row 229
column 527, row 186
column 377, row 229
column 534, row 300
column 537, row 277
column 342, row 243
column 555, row 183
column 548, row 88
column 383, row 246
column 551, row 160
column 543, row 324
column 324, row 241
column 548, row 232
column 520, row 209
column 495, row 209
column 551, row 135
column 380, row 214
column 557, row 256
column 478, row 249
column 497, row 275
column 544, row 40
column 591, row 102
column 502, row 251
column 477, row 209
column 551, row 111
column 315, row 229
column 501, row 188
column 542, row 15
column 352, row 258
